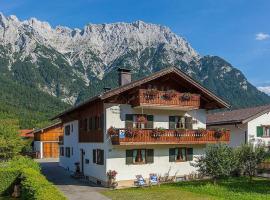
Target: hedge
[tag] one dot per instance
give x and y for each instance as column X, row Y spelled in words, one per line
column 35, row 186
column 8, row 178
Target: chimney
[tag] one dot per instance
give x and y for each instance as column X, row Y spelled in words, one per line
column 124, row 76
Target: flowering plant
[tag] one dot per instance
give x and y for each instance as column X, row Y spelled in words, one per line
column 186, row 97
column 112, row 131
column 169, row 95
column 141, row 119
column 111, row 174
column 158, row 132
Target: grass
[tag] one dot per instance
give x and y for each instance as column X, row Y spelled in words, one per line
column 230, row 189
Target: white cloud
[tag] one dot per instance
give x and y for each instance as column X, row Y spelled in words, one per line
column 262, row 36
column 265, row 89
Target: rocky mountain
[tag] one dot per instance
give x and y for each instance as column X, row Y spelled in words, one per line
column 73, row 64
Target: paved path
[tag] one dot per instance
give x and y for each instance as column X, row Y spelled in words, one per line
column 73, row 189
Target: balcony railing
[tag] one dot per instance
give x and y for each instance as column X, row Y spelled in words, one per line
column 146, row 97
column 156, row 136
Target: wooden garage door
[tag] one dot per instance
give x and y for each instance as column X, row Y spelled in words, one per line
column 50, row 150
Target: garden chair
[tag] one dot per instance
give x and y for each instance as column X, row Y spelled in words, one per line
column 140, row 182
column 153, row 179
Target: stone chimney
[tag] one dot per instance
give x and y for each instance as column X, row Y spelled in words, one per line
column 124, row 76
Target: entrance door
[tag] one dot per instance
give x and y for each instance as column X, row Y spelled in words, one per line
column 82, row 161
column 50, row 150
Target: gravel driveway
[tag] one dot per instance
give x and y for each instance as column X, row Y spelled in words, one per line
column 73, row 189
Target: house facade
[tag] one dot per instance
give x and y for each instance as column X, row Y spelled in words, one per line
column 153, row 125
column 46, row 141
column 249, row 125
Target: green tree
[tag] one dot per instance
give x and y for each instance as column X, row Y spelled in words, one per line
column 218, row 162
column 10, row 142
column 249, row 158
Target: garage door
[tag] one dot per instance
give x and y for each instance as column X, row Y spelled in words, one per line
column 50, row 150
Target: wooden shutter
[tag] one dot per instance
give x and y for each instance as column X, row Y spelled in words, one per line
column 93, row 123
column 102, row 121
column 171, row 122
column 172, row 155
column 259, row 131
column 100, row 157
column 189, row 154
column 188, row 123
column 150, row 121
column 94, row 156
column 129, row 121
column 129, row 157
column 149, row 155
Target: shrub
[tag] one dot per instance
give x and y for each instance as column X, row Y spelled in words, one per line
column 8, row 178
column 219, row 162
column 35, row 186
column 22, row 162
column 249, row 158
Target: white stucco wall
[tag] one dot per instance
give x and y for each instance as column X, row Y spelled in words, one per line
column 38, row 147
column 116, row 155
column 116, row 160
column 252, row 127
column 237, row 133
column 72, row 142
column 91, row 169
column 115, row 116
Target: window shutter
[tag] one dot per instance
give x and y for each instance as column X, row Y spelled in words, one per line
column 171, row 155
column 129, row 121
column 93, row 123
column 102, row 121
column 171, row 122
column 259, row 131
column 94, row 156
column 188, row 123
column 101, row 157
column 150, row 121
column 149, row 155
column 189, row 154
column 129, row 157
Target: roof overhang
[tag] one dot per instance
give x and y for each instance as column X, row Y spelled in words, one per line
column 133, row 84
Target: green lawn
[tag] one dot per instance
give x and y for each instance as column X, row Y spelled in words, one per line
column 237, row 188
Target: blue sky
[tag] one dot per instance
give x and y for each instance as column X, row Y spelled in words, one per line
column 237, row 30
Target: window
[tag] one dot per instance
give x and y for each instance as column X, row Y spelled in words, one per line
column 62, row 153
column 68, row 152
column 98, row 156
column 263, row 131
column 266, row 131
column 134, row 121
column 180, row 154
column 67, row 130
column 180, row 122
column 139, row 156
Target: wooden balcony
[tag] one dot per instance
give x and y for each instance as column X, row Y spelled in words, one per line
column 153, row 136
column 166, row 99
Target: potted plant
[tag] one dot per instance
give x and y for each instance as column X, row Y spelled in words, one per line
column 200, row 132
column 185, row 97
column 219, row 133
column 179, row 132
column 131, row 133
column 141, row 119
column 150, row 94
column 112, row 131
column 157, row 132
column 111, row 174
column 169, row 95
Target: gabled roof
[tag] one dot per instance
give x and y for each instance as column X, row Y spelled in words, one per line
column 26, row 133
column 133, row 84
column 239, row 116
column 47, row 127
